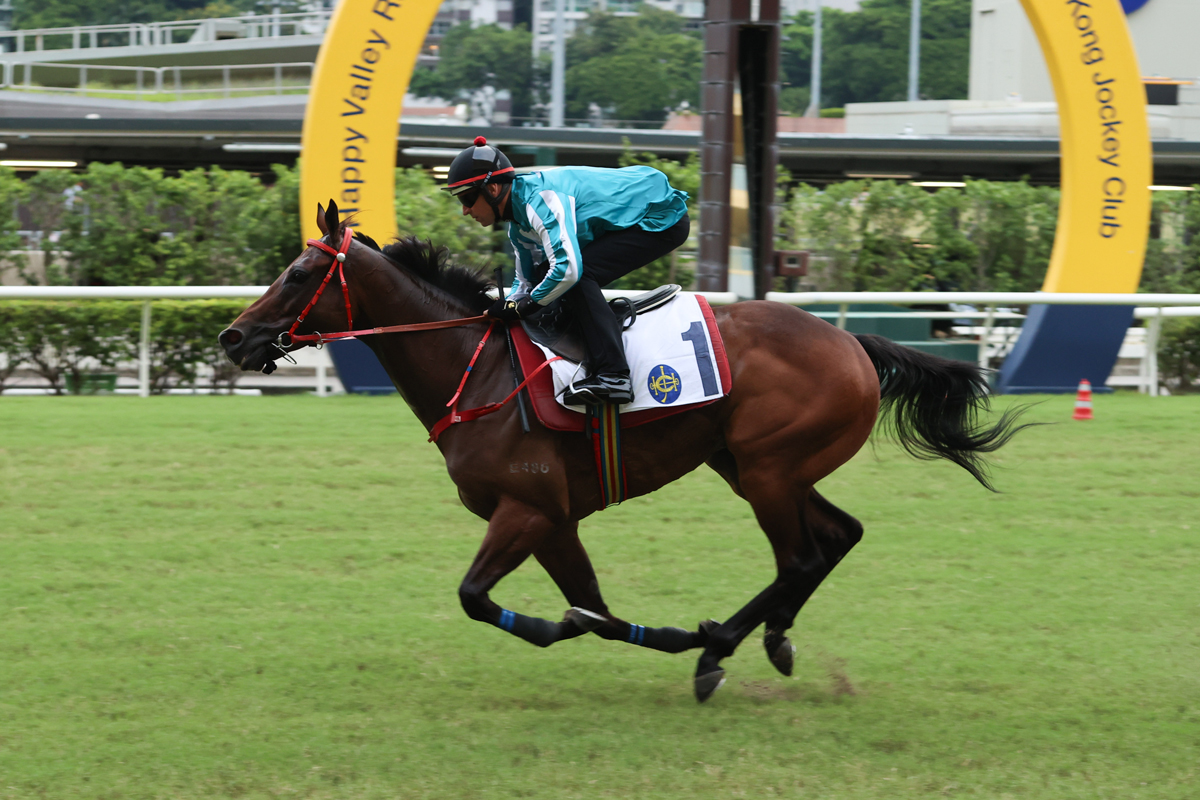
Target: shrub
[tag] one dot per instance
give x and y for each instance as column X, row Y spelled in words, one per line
column 12, row 191
column 1173, row 251
column 183, row 335
column 684, row 176
column 61, row 340
column 56, row 338
column 423, row 210
column 1179, row 353
column 887, row 236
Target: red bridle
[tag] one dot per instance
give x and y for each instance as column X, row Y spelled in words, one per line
column 339, row 259
column 455, row 416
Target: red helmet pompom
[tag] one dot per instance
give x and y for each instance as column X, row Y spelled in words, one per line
column 480, row 141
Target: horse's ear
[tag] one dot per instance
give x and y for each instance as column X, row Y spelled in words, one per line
column 332, row 221
column 321, row 224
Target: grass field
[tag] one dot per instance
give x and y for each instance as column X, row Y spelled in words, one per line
column 256, row 598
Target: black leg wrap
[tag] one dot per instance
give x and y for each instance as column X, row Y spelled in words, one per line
column 534, row 630
column 668, row 640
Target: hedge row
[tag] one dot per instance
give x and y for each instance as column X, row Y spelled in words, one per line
column 62, row 341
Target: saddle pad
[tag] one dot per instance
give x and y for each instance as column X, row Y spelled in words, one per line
column 677, row 362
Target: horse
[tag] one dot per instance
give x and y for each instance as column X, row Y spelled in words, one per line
column 805, row 397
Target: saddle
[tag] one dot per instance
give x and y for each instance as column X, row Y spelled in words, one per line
column 554, row 328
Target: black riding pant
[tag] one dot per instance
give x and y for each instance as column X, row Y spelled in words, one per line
column 606, row 259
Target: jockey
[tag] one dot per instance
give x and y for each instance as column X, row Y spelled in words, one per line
column 574, row 230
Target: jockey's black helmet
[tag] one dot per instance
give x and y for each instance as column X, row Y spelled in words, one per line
column 476, row 167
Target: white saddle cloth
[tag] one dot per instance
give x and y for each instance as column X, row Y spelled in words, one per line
column 671, row 358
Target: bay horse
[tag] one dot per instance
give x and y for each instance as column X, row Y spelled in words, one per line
column 804, row 399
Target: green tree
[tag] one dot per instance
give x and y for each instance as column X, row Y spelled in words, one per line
column 64, row 13
column 473, row 57
column 637, row 68
column 795, row 63
column 866, row 53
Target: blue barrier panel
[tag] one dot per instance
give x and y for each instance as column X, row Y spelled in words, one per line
column 358, row 368
column 1062, row 345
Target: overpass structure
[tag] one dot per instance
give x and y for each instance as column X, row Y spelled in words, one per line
column 254, row 132
column 251, row 39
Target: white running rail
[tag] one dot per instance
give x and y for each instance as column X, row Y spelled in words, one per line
column 1147, row 306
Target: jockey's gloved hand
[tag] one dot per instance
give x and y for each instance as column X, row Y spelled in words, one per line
column 527, row 306
column 513, row 310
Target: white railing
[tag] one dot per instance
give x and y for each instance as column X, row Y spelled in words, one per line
column 158, row 80
column 1147, row 306
column 166, row 34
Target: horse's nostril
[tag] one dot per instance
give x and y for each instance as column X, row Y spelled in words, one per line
column 230, row 337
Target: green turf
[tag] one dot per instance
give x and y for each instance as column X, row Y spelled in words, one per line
column 256, row 597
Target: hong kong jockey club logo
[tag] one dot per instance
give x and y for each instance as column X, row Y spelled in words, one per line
column 664, row 384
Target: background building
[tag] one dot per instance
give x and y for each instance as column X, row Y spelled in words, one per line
column 1010, row 89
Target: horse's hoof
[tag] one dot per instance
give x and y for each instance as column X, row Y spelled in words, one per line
column 783, row 656
column 708, row 683
column 705, row 630
column 586, row 621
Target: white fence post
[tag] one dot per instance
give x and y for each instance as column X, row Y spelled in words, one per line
column 1155, row 328
column 144, row 353
column 987, row 334
column 842, row 309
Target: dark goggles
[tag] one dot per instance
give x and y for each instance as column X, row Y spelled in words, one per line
column 467, row 196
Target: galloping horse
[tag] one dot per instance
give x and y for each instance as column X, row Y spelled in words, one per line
column 804, row 400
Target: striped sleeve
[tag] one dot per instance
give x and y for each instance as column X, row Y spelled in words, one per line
column 552, row 216
column 523, row 265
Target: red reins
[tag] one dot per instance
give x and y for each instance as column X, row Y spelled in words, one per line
column 339, row 259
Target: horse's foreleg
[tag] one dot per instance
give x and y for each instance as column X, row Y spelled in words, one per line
column 564, row 558
column 514, row 531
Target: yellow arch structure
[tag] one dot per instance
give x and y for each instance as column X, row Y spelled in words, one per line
column 367, row 58
column 1107, row 163
column 348, row 144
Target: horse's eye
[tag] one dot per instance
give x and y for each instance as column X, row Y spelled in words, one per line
column 297, row 276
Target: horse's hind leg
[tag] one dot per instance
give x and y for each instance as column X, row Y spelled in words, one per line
column 564, row 558
column 835, row 532
column 805, row 549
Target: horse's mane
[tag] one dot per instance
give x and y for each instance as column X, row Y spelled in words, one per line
column 432, row 264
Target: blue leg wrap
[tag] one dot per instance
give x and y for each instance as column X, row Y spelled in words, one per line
column 507, row 618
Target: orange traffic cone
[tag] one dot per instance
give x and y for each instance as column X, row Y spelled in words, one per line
column 1083, row 401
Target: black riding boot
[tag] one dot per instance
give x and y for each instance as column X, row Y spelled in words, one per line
column 608, row 378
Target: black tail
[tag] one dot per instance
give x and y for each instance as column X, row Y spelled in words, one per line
column 935, row 403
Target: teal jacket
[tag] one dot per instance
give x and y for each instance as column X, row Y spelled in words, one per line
column 558, row 212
